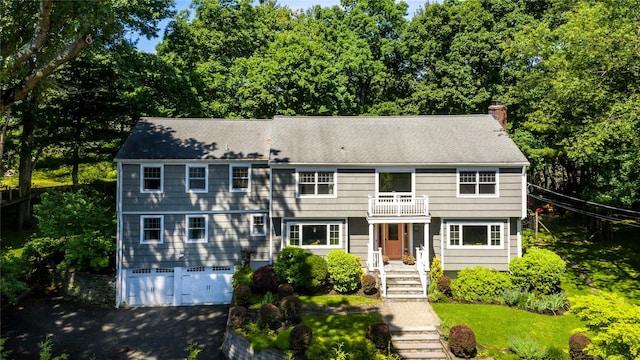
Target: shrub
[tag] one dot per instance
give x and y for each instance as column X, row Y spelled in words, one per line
column 13, row 279
column 285, row 290
column 577, row 344
column 92, row 252
column 291, row 266
column 380, row 335
column 318, row 273
column 514, row 297
column 554, row 353
column 369, row 284
column 242, row 276
column 268, row 298
column 267, row 315
column 264, row 279
column 526, row 348
column 282, row 341
column 436, row 270
column 241, row 295
column 538, row 271
column 362, row 349
column 480, row 284
column 300, row 338
column 345, row 270
column 291, row 308
column 462, row 341
column 237, row 316
column 443, row 285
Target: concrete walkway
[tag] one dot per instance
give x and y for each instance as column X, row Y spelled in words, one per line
column 401, row 314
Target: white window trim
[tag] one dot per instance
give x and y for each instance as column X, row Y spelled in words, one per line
column 487, row 224
column 142, row 189
column 316, row 171
column 477, row 194
column 231, row 167
column 396, row 170
column 142, row 218
column 206, row 229
column 187, row 178
column 264, row 224
column 310, row 247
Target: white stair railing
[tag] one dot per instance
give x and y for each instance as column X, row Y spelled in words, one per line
column 378, row 264
column 421, row 265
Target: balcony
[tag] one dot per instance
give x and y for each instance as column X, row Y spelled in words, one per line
column 398, row 206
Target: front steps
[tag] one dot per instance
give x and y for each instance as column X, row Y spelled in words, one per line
column 404, row 284
column 418, row 342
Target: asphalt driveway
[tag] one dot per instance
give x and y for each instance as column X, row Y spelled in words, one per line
column 84, row 331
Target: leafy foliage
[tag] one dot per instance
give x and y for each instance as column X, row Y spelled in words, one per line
column 300, row 338
column 527, row 348
column 436, row 270
column 615, row 322
column 480, row 284
column 291, row 309
column 242, row 276
column 241, row 295
column 538, row 271
column 291, row 266
column 345, row 270
column 462, row 341
column 12, row 281
column 380, row 335
column 318, row 272
column 264, row 279
column 369, row 284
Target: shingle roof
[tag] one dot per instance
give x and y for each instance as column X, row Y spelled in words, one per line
column 381, row 140
column 162, row 138
column 433, row 139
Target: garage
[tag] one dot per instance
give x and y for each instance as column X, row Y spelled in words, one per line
column 206, row 285
column 150, row 287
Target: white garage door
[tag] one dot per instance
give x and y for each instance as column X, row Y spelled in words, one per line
column 207, row 285
column 150, row 287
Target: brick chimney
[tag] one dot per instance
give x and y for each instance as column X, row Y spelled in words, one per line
column 499, row 112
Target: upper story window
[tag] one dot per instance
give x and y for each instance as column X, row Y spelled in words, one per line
column 475, row 235
column 315, row 234
column 151, row 229
column 259, row 225
column 151, row 179
column 197, row 178
column 316, row 183
column 240, row 178
column 477, row 183
column 197, row 229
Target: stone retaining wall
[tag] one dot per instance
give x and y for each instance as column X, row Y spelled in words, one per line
column 237, row 347
column 90, row 288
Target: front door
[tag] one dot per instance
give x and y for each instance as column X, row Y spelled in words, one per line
column 393, row 240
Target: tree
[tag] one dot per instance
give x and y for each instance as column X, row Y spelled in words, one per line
column 39, row 37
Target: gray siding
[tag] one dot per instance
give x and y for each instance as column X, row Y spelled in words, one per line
column 460, row 258
column 359, row 237
column 228, row 234
column 175, row 198
column 354, row 187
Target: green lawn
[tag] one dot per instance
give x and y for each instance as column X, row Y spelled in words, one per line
column 494, row 325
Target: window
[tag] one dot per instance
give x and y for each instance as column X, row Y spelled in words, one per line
column 395, row 182
column 478, row 183
column 151, row 179
column 258, row 225
column 151, row 229
column 314, row 234
column 462, row 235
column 240, row 178
column 316, row 183
column 197, row 229
column 197, row 178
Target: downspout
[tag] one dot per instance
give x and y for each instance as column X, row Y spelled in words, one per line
column 270, row 215
column 119, row 232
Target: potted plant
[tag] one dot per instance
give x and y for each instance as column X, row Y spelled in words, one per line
column 385, row 259
column 408, row 259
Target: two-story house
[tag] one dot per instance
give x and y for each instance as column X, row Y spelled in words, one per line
column 194, row 193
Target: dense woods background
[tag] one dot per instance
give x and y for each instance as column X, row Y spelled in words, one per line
column 568, row 70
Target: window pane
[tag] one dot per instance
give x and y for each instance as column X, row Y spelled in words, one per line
column 334, row 234
column 196, row 184
column 196, row 172
column 487, row 177
column 152, row 235
column 240, row 176
column 454, row 235
column 151, row 178
column 307, row 189
column 394, row 182
column 467, row 177
column 314, row 235
column 294, row 235
column 487, row 189
column 325, row 189
column 495, row 235
column 258, row 224
column 474, row 235
column 151, row 229
column 307, row 177
column 151, row 184
column 467, row 188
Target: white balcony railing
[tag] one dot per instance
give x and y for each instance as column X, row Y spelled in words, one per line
column 398, row 205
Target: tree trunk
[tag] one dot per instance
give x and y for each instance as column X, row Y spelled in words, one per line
column 23, row 215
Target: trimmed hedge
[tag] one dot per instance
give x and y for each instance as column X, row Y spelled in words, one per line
column 480, row 284
column 345, row 270
column 318, row 273
column 462, row 341
column 291, row 266
column 538, row 271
